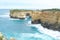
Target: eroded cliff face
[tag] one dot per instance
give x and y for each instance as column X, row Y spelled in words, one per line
column 35, row 17
column 47, row 19
column 20, row 14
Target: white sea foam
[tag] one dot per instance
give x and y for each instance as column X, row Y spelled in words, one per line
column 13, row 19
column 24, row 36
column 55, row 34
column 35, row 35
column 29, row 22
column 25, row 18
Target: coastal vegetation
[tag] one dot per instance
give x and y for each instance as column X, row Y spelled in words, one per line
column 54, row 9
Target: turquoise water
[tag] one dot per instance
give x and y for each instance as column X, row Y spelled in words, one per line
column 19, row 29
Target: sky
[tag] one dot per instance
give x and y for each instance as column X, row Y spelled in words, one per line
column 29, row 4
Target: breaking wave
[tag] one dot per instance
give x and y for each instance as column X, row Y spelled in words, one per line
column 52, row 33
column 13, row 19
column 32, row 36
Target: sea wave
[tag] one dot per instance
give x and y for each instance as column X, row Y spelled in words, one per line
column 52, row 33
column 5, row 15
column 29, row 36
column 13, row 19
column 34, row 36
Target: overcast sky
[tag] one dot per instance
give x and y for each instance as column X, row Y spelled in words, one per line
column 29, row 4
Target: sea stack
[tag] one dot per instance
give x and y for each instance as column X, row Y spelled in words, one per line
column 19, row 14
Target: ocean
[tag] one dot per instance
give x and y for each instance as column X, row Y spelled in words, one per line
column 23, row 29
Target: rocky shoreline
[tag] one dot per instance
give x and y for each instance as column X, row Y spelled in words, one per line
column 49, row 18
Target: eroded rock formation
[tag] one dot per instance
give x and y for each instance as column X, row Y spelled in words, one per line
column 49, row 19
column 20, row 14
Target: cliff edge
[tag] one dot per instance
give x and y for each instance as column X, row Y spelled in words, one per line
column 48, row 18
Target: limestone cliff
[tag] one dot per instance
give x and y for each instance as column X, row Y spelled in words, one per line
column 47, row 18
column 20, row 13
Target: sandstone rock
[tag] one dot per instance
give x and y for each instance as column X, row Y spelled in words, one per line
column 20, row 14
column 1, row 36
column 4, row 38
column 48, row 19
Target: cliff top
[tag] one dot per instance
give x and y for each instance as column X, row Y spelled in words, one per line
column 54, row 9
column 51, row 9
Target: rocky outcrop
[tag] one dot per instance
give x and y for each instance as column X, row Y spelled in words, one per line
column 36, row 17
column 2, row 37
column 48, row 19
column 20, row 14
